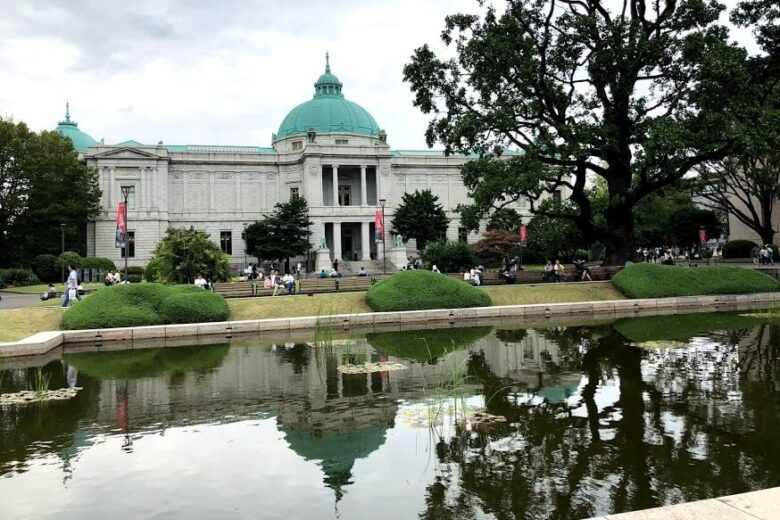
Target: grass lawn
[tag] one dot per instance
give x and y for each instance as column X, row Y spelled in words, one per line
column 41, row 288
column 19, row 323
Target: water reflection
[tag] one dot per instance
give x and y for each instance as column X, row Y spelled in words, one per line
column 596, row 423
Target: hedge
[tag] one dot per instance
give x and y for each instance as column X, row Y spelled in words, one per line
column 18, row 278
column 660, row 281
column 132, row 305
column 418, row 289
column 681, row 327
column 48, row 268
column 71, row 258
column 98, row 262
column 133, row 270
column 738, row 248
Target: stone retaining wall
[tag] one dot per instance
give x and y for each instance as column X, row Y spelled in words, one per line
column 187, row 334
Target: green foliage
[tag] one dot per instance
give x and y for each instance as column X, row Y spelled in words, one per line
column 43, row 184
column 506, row 219
column 415, row 290
column 552, row 82
column 18, row 278
column 739, row 248
column 98, row 262
column 144, row 304
column 282, row 234
column 183, row 253
column 552, row 237
column 661, row 281
column 70, row 258
column 449, row 257
column 152, row 272
column 496, row 245
column 670, row 218
column 420, row 216
column 133, row 270
column 47, row 267
column 425, row 346
column 681, row 327
column 134, row 278
column 580, row 254
column 146, row 363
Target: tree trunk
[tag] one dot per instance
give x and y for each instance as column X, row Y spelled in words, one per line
column 766, row 232
column 620, row 236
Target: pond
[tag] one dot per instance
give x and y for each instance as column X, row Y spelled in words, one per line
column 554, row 422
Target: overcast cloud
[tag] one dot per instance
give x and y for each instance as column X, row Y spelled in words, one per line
column 209, row 72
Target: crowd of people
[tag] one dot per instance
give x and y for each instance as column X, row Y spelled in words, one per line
column 280, row 284
column 765, row 256
column 112, row 278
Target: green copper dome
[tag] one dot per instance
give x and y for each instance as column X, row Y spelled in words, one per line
column 68, row 128
column 328, row 111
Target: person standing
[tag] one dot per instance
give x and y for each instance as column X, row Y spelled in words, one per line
column 558, row 269
column 71, row 287
column 253, row 275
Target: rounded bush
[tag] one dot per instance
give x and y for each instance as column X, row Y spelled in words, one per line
column 661, row 281
column 194, row 307
column 47, row 268
column 71, row 258
column 133, row 270
column 152, row 271
column 98, row 262
column 134, row 278
column 18, row 277
column 416, row 290
column 738, row 248
column 131, row 305
column 449, row 257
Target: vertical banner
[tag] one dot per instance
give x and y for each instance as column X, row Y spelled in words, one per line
column 702, row 235
column 523, row 234
column 121, row 225
column 379, row 226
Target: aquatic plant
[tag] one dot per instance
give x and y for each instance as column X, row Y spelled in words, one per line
column 40, row 381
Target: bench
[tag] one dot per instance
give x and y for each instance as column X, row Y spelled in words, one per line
column 243, row 289
column 527, row 277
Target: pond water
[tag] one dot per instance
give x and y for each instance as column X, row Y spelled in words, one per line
column 582, row 421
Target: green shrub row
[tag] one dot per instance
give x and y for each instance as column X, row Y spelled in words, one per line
column 18, row 278
column 661, row 281
column 134, row 305
column 49, row 268
column 416, row 290
column 738, row 248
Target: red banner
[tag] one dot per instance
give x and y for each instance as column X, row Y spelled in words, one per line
column 379, row 225
column 702, row 235
column 523, row 234
column 121, row 225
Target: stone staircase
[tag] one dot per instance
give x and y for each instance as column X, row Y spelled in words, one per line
column 373, row 266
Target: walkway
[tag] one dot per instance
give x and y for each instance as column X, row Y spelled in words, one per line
column 16, row 300
column 756, row 505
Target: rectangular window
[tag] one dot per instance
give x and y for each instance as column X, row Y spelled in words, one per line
column 226, row 242
column 342, row 141
column 130, row 196
column 294, row 192
column 130, row 242
column 463, row 235
column 345, row 195
column 297, row 145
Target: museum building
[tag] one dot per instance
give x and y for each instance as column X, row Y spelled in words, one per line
column 328, row 149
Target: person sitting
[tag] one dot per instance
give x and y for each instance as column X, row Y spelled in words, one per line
column 362, row 271
column 322, row 274
column 558, row 270
column 435, row 269
column 508, row 275
column 334, row 273
column 267, row 283
column 548, row 272
column 109, row 279
column 117, row 278
column 200, row 281
column 50, row 293
column 288, row 281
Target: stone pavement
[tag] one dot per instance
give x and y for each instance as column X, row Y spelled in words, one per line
column 16, row 301
column 756, row 505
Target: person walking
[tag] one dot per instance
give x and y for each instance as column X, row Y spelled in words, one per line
column 71, row 287
column 253, row 275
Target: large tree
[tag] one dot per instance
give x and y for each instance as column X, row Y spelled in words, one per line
column 420, row 216
column 282, row 234
column 635, row 93
column 43, row 185
column 183, row 253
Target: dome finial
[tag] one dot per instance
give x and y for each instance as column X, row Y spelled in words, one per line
column 327, row 62
column 67, row 111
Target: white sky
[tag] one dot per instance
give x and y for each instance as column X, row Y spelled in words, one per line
column 205, row 72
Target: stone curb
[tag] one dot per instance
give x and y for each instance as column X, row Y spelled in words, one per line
column 44, row 342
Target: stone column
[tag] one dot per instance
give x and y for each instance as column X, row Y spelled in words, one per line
column 142, row 189
column 155, row 184
column 337, row 241
column 336, row 190
column 212, row 206
column 112, row 200
column 363, row 187
column 365, row 242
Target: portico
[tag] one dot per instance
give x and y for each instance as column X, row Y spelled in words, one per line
column 350, row 240
column 352, row 185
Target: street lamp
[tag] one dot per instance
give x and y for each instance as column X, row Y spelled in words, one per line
column 125, row 194
column 62, row 260
column 382, row 203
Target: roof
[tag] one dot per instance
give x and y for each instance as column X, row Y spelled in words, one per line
column 181, row 148
column 328, row 112
column 70, row 129
column 440, row 153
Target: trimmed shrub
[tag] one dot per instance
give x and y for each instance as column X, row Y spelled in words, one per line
column 133, row 270
column 425, row 345
column 98, row 262
column 70, row 258
column 47, row 268
column 134, row 278
column 133, row 305
column 660, row 281
column 681, row 327
column 580, row 254
column 738, row 248
column 152, row 272
column 415, row 290
column 194, row 307
column 18, row 278
column 449, row 257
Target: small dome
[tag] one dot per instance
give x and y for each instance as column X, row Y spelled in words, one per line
column 328, row 111
column 67, row 128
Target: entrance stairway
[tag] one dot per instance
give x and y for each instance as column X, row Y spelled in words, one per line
column 373, row 266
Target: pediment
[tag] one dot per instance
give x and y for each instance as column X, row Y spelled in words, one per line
column 125, row 153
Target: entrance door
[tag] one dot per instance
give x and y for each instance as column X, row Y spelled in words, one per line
column 345, row 195
column 346, row 243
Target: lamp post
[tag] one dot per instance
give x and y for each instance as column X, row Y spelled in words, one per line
column 382, row 203
column 125, row 194
column 62, row 260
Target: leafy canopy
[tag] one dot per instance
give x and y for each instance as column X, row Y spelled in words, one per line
column 183, row 253
column 282, row 234
column 420, row 216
